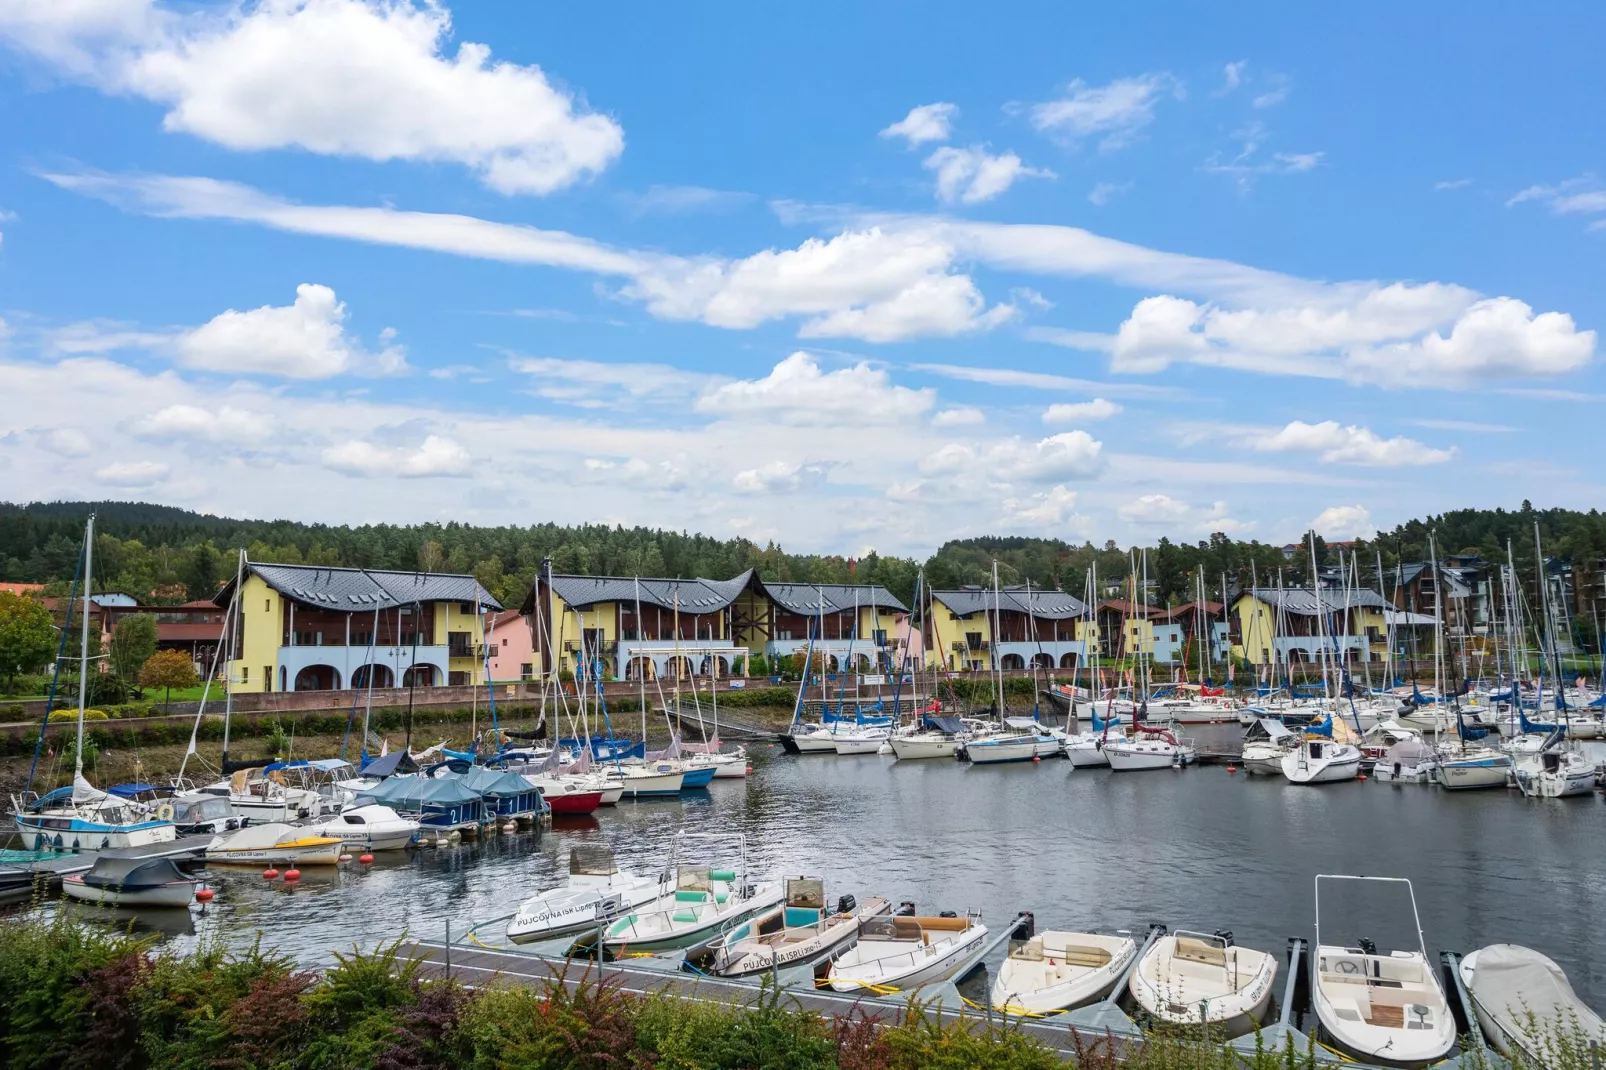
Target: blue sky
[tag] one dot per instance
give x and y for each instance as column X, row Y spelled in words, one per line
column 848, row 277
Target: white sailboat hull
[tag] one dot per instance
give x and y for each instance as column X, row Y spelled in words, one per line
column 1137, row 755
column 1336, row 762
column 994, row 753
column 859, row 745
column 1482, row 773
column 908, row 748
column 814, row 743
column 62, row 832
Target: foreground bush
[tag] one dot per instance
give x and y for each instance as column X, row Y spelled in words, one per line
column 78, row 997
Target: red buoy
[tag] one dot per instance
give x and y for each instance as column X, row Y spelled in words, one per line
column 346, row 857
column 292, row 875
column 204, row 896
column 1232, row 768
column 1360, row 776
column 1037, row 758
column 366, row 859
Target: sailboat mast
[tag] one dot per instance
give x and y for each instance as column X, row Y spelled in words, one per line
column 83, row 648
column 1321, row 615
column 998, row 623
column 228, row 683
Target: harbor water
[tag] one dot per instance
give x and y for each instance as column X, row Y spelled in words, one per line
column 1199, row 848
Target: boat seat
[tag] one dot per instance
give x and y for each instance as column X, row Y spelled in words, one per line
column 1387, row 1016
column 1189, row 949
column 691, row 897
column 684, row 916
column 906, row 928
column 1091, row 958
column 797, row 917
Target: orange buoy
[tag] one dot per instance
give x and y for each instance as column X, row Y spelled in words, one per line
column 292, row 875
column 204, row 896
column 366, row 859
column 270, row 874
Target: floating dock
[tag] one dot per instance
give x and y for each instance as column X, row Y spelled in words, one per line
column 58, row 864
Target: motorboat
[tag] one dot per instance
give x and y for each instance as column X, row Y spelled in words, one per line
column 1054, row 971
column 1473, row 767
column 1376, row 741
column 702, row 902
column 596, row 892
column 1513, row 990
column 1410, row 761
column 1149, row 748
column 1382, row 1007
column 80, row 817
column 800, row 931
column 1266, row 741
column 903, row 951
column 199, row 814
column 275, row 843
column 1193, row 979
column 132, row 882
column 1319, row 760
column 266, row 794
column 375, row 827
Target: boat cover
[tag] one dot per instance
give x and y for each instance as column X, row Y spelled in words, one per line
column 387, row 765
column 418, row 789
column 131, row 791
column 1022, row 722
column 950, row 725
column 499, row 782
column 1269, row 728
column 1512, row 981
column 130, row 874
column 258, row 837
column 1407, row 752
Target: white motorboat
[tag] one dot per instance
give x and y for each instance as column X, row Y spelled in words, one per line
column 256, row 795
column 1473, row 767
column 1189, row 978
column 1266, row 741
column 702, row 903
column 275, row 844
column 1380, row 1007
column 1149, row 748
column 1055, row 971
column 376, row 827
column 904, row 951
column 799, row 932
column 596, row 892
column 132, row 882
column 1516, row 989
column 1319, row 760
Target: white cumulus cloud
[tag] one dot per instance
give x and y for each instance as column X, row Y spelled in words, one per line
column 67, row 442
column 226, row 425
column 1045, row 511
column 962, row 416
column 927, row 122
column 436, row 456
column 367, row 78
column 796, row 391
column 304, row 340
column 1351, row 445
column 779, row 477
column 973, row 175
column 132, row 473
column 1343, row 522
column 1080, row 412
column 1068, row 455
column 1497, row 338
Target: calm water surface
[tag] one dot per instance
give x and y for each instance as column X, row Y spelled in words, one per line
column 1197, row 849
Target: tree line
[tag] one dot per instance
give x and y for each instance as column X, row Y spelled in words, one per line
column 164, row 555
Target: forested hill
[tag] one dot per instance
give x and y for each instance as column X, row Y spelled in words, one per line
column 165, row 554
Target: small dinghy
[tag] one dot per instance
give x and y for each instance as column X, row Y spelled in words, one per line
column 1055, row 971
column 1380, row 1007
column 597, row 891
column 376, row 827
column 275, row 843
column 800, row 932
column 703, row 902
column 1189, row 978
column 1513, row 990
column 905, row 951
column 132, row 882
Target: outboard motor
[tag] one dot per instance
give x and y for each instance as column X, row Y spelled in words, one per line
column 1027, row 927
column 1225, row 936
column 906, row 909
column 846, row 905
column 948, row 914
column 1367, row 947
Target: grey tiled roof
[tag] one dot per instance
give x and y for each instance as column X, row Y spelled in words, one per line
column 809, row 598
column 689, row 596
column 1299, row 600
column 355, row 590
column 1049, row 605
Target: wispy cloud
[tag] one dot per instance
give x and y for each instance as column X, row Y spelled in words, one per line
column 1119, row 111
column 1453, row 183
column 1104, row 192
column 683, row 200
column 1583, row 195
column 1249, row 163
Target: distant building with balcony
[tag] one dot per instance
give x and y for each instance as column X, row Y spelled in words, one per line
column 317, row 628
column 1291, row 625
column 638, row 627
column 976, row 628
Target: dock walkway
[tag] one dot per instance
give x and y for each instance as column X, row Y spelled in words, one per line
column 57, row 865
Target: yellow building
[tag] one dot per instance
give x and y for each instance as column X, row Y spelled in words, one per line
column 656, row 627
column 971, row 627
column 316, row 628
column 1279, row 626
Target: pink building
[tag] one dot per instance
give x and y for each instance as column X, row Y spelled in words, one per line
column 512, row 646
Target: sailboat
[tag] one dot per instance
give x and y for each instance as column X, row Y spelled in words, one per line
column 1384, row 1007
column 81, row 817
column 1327, row 753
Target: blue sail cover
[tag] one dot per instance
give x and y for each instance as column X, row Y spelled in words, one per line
column 1535, row 727
column 1324, row 728
column 1101, row 723
column 1467, row 732
column 951, row 725
column 606, row 749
